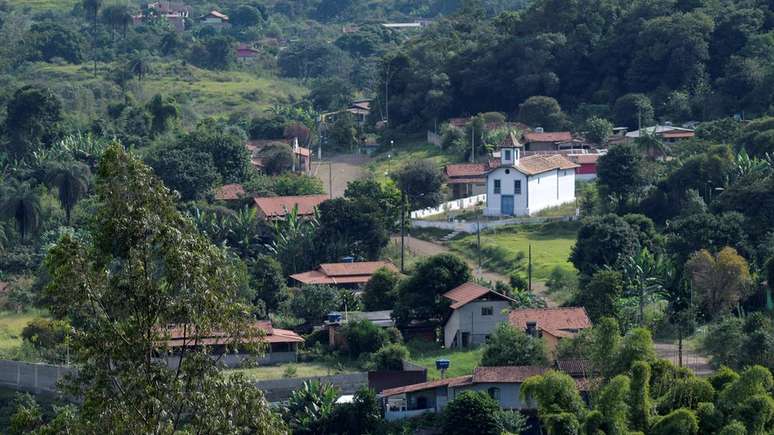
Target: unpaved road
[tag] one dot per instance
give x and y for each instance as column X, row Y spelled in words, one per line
column 424, row 248
column 691, row 359
column 344, row 168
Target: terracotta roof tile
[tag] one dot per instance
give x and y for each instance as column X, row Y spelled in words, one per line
column 538, row 163
column 559, row 322
column 279, row 206
column 575, row 367
column 449, row 382
column 559, row 136
column 177, row 336
column 678, row 134
column 229, row 192
column 506, row 374
column 468, row 292
column 583, row 159
column 466, row 169
column 510, row 141
column 343, row 273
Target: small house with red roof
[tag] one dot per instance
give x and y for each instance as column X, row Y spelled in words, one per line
column 476, row 312
column 346, row 274
column 246, row 53
column 587, row 165
column 540, row 140
column 214, row 18
column 466, row 179
column 552, row 324
column 229, row 192
column 277, row 207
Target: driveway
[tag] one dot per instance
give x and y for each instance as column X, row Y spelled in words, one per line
column 343, row 169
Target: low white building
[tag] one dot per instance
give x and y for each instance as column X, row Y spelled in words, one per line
column 521, row 186
column 476, row 312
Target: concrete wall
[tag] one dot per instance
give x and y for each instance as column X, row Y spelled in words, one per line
column 457, row 204
column 31, row 377
column 509, row 393
column 236, row 360
column 277, row 390
column 470, row 227
column 469, row 319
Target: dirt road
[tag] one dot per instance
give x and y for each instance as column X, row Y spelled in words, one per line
column 691, row 359
column 424, row 248
column 344, row 168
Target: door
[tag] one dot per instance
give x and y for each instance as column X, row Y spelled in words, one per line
column 465, row 339
column 506, row 204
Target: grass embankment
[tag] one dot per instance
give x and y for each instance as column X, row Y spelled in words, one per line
column 11, row 326
column 41, row 5
column 291, row 370
column 413, row 149
column 551, row 247
column 461, row 362
column 200, row 93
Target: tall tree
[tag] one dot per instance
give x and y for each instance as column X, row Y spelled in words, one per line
column 92, row 7
column 32, row 120
column 721, row 281
column 508, row 346
column 620, row 175
column 71, row 180
column 20, row 202
column 146, row 267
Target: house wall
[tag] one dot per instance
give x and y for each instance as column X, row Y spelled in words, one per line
column 469, row 319
column 551, row 189
column 541, row 146
column 510, row 393
column 436, row 398
column 566, row 185
column 494, row 201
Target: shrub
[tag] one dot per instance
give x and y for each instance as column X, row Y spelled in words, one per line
column 390, row 357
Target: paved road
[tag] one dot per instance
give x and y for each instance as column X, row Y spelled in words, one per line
column 424, row 248
column 344, row 168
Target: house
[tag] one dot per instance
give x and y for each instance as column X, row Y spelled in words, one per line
column 246, row 53
column 347, row 274
column 302, row 157
column 587, row 165
column 520, row 186
column 476, row 312
column 358, row 109
column 466, row 179
column 501, row 383
column 552, row 324
column 229, row 192
column 382, row 319
column 539, row 140
column 277, row 207
column 174, row 13
column 666, row 133
column 281, row 344
column 214, row 19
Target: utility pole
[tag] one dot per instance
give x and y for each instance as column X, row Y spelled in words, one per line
column 472, row 141
column 402, row 229
column 529, row 269
column 387, row 95
column 330, row 179
column 478, row 240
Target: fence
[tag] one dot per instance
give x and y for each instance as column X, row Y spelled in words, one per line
column 434, row 138
column 277, row 390
column 457, row 204
column 32, row 377
column 471, row 227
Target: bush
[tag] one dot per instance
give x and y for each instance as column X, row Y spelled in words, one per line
column 472, row 412
column 509, row 346
column 390, row 357
column 363, row 337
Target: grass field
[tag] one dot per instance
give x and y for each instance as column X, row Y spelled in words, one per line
column 200, row 93
column 461, row 362
column 551, row 246
column 11, row 325
column 40, row 5
column 302, row 370
column 414, row 149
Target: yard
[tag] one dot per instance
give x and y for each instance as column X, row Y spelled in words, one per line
column 461, row 362
column 11, row 326
column 292, row 370
column 551, row 246
column 414, row 149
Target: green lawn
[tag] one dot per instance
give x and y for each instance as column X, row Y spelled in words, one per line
column 11, row 325
column 39, row 5
column 551, row 246
column 461, row 362
column 302, row 370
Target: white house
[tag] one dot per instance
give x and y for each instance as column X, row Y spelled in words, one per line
column 521, row 186
column 476, row 312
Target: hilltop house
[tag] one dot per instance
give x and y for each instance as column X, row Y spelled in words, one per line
column 175, row 13
column 476, row 312
column 503, row 384
column 302, row 156
column 552, row 324
column 466, row 179
column 347, row 274
column 214, row 19
column 277, row 207
column 246, row 53
column 667, row 133
column 520, row 186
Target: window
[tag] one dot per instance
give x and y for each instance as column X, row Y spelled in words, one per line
column 517, row 187
column 496, row 186
column 494, row 393
column 487, row 311
column 507, row 154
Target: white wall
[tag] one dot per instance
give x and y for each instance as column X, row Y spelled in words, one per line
column 468, row 318
column 493, row 200
column 566, row 185
column 551, row 189
column 509, row 393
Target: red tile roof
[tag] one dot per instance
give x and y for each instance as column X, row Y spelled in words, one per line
column 538, row 163
column 583, row 159
column 510, row 141
column 506, row 374
column 305, row 152
column 279, row 206
column 466, row 169
column 448, row 382
column 559, row 322
column 559, row 136
column 229, row 192
column 469, row 292
column 177, row 336
column 678, row 134
column 343, row 273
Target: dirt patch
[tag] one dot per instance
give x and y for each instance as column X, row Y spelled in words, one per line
column 343, row 169
column 693, row 360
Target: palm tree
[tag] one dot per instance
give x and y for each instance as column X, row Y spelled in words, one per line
column 22, row 204
column 644, row 273
column 139, row 66
column 71, row 179
column 93, row 7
